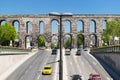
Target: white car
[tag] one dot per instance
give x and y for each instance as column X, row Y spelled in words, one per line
column 67, row 52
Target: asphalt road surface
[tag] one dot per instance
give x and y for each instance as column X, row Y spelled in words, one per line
column 72, row 64
column 32, row 68
column 83, row 65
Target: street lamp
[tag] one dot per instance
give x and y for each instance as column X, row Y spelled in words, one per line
column 60, row 61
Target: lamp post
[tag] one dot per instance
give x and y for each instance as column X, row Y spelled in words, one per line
column 61, row 60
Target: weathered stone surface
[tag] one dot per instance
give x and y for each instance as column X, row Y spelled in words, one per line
column 47, row 19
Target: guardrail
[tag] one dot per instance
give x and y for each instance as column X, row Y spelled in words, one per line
column 13, row 50
column 107, row 49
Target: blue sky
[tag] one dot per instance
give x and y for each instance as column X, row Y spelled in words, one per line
column 73, row 6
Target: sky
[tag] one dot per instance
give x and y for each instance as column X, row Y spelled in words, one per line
column 61, row 6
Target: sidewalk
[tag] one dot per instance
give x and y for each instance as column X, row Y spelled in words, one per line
column 9, row 63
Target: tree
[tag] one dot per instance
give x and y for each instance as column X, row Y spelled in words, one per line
column 112, row 30
column 79, row 40
column 68, row 43
column 7, row 33
column 41, row 41
column 54, row 46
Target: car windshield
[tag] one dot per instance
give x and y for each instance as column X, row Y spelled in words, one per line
column 96, row 75
column 68, row 50
column 76, row 77
column 47, row 68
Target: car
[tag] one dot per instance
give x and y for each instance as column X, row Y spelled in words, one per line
column 47, row 70
column 94, row 76
column 67, row 52
column 78, row 52
column 85, row 49
column 76, row 77
column 54, row 51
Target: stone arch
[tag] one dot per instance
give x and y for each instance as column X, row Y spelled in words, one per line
column 54, row 26
column 41, row 27
column 66, row 37
column 67, row 26
column 93, row 40
column 3, row 21
column 104, row 24
column 80, row 26
column 16, row 24
column 93, row 26
column 28, row 39
column 55, row 41
column 80, row 40
column 28, row 27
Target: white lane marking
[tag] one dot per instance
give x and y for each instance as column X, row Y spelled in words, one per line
column 26, row 71
column 38, row 77
column 94, row 63
column 22, row 78
column 109, row 78
column 70, row 63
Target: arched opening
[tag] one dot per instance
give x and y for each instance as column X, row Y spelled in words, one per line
column 41, row 41
column 41, row 27
column 93, row 40
column 104, row 24
column 67, row 26
column 54, row 43
column 16, row 25
column 92, row 26
column 54, row 25
column 80, row 41
column 80, row 26
column 29, row 42
column 68, row 41
column 2, row 22
column 28, row 27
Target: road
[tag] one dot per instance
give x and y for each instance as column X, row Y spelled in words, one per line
column 83, row 65
column 32, row 68
column 72, row 64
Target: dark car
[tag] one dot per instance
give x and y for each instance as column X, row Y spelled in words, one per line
column 78, row 52
column 76, row 77
column 54, row 51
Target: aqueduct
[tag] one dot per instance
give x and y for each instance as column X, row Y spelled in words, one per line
column 36, row 21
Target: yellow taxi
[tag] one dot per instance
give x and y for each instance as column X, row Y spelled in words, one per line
column 47, row 70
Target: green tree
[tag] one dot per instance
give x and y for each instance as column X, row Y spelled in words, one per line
column 112, row 30
column 68, row 43
column 41, row 41
column 80, row 40
column 7, row 33
column 54, row 46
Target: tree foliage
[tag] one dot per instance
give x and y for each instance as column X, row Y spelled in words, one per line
column 54, row 46
column 68, row 43
column 112, row 30
column 7, row 33
column 41, row 41
column 80, row 39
